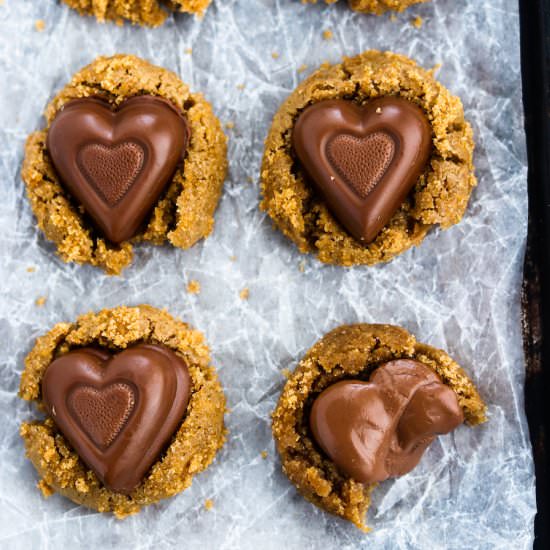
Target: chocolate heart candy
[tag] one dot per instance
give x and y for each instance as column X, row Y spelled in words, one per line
column 118, row 412
column 363, row 160
column 380, row 429
column 117, row 163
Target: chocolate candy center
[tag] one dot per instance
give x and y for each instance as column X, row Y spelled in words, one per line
column 118, row 411
column 380, row 429
column 117, row 162
column 363, row 160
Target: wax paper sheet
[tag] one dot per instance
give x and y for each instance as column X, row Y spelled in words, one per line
column 458, row 291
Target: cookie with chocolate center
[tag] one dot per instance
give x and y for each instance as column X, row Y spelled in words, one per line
column 134, row 409
column 364, row 158
column 128, row 155
column 363, row 406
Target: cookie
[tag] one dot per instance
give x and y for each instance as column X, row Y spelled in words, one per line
column 134, row 409
column 126, row 145
column 362, row 406
column 377, row 7
column 334, row 175
column 142, row 12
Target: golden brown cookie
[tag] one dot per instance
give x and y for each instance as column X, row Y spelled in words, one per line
column 193, row 447
column 184, row 212
column 377, row 7
column 440, row 195
column 142, row 12
column 352, row 351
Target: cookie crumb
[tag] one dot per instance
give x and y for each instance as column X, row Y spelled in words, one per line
column 286, row 373
column 250, row 179
column 233, row 258
column 302, row 266
column 302, row 68
column 31, row 268
column 244, row 294
column 379, row 110
column 240, row 87
column 275, row 55
column 188, row 51
column 193, row 287
column 393, row 18
column 40, row 301
column 209, row 504
column 263, row 454
column 417, row 22
column 327, row 34
column 82, row 485
column 229, row 125
column 45, row 489
column 40, row 25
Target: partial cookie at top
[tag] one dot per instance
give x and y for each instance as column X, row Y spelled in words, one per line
column 142, row 12
column 439, row 196
column 377, row 7
column 184, row 212
column 353, row 353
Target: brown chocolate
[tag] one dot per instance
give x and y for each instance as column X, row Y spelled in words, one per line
column 118, row 411
column 117, row 163
column 379, row 429
column 363, row 160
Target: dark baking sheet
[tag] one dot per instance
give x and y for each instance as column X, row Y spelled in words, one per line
column 535, row 44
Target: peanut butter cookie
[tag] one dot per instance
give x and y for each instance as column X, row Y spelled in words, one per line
column 124, row 138
column 333, row 169
column 360, row 407
column 134, row 408
column 142, row 12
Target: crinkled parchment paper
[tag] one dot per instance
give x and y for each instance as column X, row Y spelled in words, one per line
column 458, row 291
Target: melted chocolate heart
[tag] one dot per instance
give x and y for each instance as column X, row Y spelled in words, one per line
column 118, row 412
column 380, row 429
column 363, row 160
column 117, row 163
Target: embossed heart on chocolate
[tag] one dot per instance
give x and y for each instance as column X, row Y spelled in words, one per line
column 102, row 413
column 118, row 411
column 379, row 429
column 363, row 160
column 116, row 163
column 112, row 170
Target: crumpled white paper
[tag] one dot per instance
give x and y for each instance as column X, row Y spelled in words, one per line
column 459, row 291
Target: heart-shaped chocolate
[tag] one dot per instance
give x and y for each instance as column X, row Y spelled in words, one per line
column 363, row 160
column 379, row 429
column 117, row 163
column 118, row 412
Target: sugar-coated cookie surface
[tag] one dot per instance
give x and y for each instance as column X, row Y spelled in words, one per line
column 351, row 352
column 184, row 212
column 439, row 197
column 142, row 12
column 192, row 448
